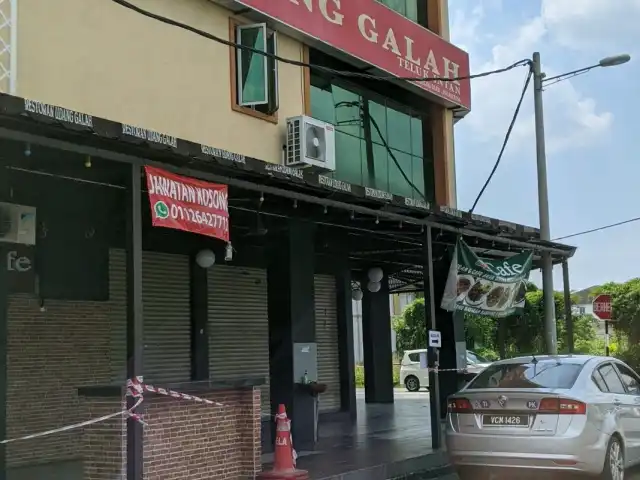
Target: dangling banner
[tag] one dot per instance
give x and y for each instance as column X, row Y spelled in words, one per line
column 188, row 204
column 491, row 288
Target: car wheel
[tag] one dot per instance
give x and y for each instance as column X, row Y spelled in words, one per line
column 614, row 461
column 412, row 383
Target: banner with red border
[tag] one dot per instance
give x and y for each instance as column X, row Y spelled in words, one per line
column 188, row 204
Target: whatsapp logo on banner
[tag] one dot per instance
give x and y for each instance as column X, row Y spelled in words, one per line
column 161, row 210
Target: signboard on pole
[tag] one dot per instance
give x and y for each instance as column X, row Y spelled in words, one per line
column 602, row 307
column 435, row 339
column 188, row 204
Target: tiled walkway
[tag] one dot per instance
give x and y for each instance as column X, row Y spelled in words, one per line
column 387, row 441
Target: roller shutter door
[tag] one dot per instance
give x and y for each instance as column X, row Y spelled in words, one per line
column 239, row 325
column 166, row 312
column 327, row 339
column 118, row 315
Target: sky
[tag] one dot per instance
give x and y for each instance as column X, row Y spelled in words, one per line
column 592, row 139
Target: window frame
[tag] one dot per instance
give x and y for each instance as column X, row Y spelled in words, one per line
column 634, row 375
column 411, row 359
column 503, row 369
column 421, row 12
column 268, row 110
column 596, row 374
column 615, row 371
column 239, row 57
column 367, row 95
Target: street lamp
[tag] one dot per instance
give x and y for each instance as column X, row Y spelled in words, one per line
column 539, row 81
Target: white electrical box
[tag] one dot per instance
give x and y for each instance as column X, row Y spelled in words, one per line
column 17, row 224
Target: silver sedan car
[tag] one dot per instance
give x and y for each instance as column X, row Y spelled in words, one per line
column 546, row 414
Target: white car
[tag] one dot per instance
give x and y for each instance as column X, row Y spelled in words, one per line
column 414, row 378
column 546, row 417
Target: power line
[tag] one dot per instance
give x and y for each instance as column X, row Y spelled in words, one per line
column 599, row 229
column 506, row 139
column 342, row 73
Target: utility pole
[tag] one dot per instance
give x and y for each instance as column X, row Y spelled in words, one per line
column 539, row 79
column 543, row 208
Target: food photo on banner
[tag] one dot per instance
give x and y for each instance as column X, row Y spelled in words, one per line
column 482, row 286
column 188, row 204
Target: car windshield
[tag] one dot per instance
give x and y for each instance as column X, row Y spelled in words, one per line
column 534, row 374
column 473, row 357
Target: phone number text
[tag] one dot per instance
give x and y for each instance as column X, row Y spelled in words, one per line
column 178, row 212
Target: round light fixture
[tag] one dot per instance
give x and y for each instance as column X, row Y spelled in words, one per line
column 357, row 295
column 205, row 258
column 374, row 287
column 375, row 274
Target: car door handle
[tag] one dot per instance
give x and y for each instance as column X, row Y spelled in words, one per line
column 617, row 402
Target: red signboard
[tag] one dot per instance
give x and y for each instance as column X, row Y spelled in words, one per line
column 602, row 307
column 188, row 204
column 375, row 34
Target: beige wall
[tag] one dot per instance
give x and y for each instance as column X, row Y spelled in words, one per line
column 6, row 11
column 100, row 58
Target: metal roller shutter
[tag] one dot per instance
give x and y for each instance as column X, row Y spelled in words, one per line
column 239, row 325
column 327, row 339
column 166, row 311
column 118, row 315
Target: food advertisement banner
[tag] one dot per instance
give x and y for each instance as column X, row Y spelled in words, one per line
column 481, row 286
column 188, row 204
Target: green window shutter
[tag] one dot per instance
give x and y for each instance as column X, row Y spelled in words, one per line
column 252, row 67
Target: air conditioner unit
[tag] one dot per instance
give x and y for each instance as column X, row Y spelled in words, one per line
column 310, row 143
column 17, row 224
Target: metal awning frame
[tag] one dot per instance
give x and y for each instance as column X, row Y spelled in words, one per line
column 22, row 136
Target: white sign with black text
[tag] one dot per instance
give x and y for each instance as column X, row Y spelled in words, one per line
column 435, row 339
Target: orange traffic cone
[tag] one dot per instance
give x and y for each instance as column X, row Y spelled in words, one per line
column 284, row 458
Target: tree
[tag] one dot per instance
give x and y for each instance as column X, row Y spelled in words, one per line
column 626, row 307
column 524, row 334
column 411, row 327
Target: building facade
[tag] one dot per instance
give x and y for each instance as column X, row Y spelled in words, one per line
column 191, row 87
column 243, row 93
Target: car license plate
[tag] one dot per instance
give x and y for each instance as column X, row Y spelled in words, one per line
column 505, row 420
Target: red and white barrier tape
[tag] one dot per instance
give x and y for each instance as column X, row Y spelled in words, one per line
column 140, row 386
column 126, row 412
column 135, row 388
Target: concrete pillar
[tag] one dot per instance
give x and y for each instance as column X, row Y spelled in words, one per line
column 376, row 339
column 292, row 322
column 451, row 327
column 342, row 270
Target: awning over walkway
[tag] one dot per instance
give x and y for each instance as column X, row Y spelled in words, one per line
column 385, row 214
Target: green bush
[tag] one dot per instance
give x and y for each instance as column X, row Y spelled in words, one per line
column 631, row 356
column 487, row 353
column 360, row 375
